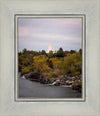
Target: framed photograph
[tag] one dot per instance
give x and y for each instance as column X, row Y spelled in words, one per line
column 49, row 57
column 56, row 73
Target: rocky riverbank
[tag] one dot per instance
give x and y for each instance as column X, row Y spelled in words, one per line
column 74, row 82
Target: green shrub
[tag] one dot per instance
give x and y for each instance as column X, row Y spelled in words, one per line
column 77, row 85
column 52, row 75
column 75, row 73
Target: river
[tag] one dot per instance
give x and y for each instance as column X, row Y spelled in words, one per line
column 31, row 89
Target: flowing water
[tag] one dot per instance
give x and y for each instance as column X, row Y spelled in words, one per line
column 31, row 89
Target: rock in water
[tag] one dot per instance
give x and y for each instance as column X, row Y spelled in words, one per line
column 33, row 76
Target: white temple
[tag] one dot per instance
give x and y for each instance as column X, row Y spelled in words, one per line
column 50, row 48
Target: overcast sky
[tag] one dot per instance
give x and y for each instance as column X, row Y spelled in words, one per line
column 35, row 33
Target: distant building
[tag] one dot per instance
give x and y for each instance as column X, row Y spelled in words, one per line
column 50, row 48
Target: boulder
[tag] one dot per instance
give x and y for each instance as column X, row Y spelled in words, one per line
column 63, row 83
column 33, row 76
column 57, row 84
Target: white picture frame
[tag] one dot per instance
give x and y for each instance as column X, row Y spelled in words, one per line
column 8, row 106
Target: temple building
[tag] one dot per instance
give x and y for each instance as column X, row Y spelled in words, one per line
column 50, row 48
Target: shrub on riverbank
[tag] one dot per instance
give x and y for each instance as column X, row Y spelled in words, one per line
column 25, row 70
column 72, row 64
column 77, row 85
column 52, row 75
column 60, row 63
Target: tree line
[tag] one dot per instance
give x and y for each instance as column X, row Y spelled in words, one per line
column 50, row 64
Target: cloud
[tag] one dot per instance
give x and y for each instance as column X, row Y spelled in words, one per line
column 36, row 33
column 46, row 37
column 23, row 22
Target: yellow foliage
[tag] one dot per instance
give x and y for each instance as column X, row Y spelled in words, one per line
column 40, row 63
column 25, row 70
column 55, row 62
column 72, row 64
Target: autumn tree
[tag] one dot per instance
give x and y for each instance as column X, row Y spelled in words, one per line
column 72, row 64
column 72, row 51
column 40, row 63
column 66, row 53
column 43, row 52
column 50, row 54
column 60, row 53
column 80, row 51
column 55, row 62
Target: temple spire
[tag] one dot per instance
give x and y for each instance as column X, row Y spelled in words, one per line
column 50, row 48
